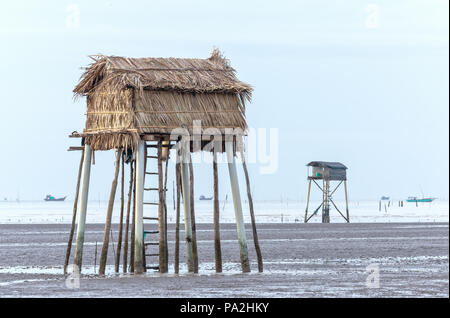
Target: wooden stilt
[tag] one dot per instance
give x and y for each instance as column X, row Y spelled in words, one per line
column 185, row 188
column 122, row 205
column 74, row 215
column 194, row 231
column 127, row 222
column 252, row 216
column 307, row 201
column 346, row 201
column 112, row 195
column 177, row 219
column 217, row 247
column 245, row 264
column 165, row 205
column 84, row 186
column 163, row 262
column 133, row 225
column 139, row 228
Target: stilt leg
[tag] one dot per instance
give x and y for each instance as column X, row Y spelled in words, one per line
column 85, row 176
column 238, row 208
column 163, row 262
column 185, row 187
column 74, row 214
column 307, row 201
column 127, row 222
column 217, row 247
column 139, row 229
column 177, row 221
column 252, row 216
column 346, row 201
column 122, row 206
column 194, row 231
column 112, row 195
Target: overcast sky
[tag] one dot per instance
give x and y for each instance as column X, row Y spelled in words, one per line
column 361, row 82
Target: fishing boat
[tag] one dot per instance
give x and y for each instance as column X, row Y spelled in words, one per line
column 202, row 197
column 415, row 199
column 49, row 197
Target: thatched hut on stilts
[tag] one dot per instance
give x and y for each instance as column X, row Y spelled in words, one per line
column 136, row 105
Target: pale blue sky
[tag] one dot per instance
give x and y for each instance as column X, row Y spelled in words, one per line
column 374, row 98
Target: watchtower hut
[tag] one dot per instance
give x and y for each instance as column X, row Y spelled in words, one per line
column 136, row 105
column 327, row 172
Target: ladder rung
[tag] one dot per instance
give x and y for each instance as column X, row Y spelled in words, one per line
column 150, row 218
column 152, row 254
column 151, row 243
column 152, row 267
column 156, row 146
column 154, row 173
column 151, row 189
column 151, row 232
column 151, row 203
column 152, row 157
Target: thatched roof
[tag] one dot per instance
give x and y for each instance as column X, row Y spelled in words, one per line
column 128, row 97
column 212, row 75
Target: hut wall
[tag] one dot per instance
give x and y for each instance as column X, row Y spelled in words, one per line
column 162, row 111
column 110, row 119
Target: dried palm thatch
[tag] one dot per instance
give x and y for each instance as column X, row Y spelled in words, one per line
column 129, row 97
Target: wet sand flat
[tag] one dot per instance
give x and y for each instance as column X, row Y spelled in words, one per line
column 300, row 260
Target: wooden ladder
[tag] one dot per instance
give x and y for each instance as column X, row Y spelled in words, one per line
column 156, row 226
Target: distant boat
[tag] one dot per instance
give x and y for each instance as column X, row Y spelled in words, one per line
column 415, row 199
column 49, row 197
column 202, row 197
column 385, row 198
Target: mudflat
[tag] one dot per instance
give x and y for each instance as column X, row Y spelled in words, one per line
column 300, row 260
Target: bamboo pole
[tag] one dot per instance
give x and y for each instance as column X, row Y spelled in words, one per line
column 194, row 231
column 84, row 186
column 74, row 214
column 185, row 188
column 252, row 215
column 245, row 264
column 112, row 195
column 177, row 221
column 161, row 215
column 127, row 222
column 133, row 217
column 217, row 247
column 122, row 204
column 139, row 228
column 307, row 200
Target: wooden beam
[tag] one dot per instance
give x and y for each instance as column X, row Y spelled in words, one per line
column 122, row 205
column 194, row 231
column 163, row 262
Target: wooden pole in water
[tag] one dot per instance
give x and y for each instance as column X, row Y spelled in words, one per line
column 112, row 195
column 177, row 217
column 217, row 247
column 252, row 215
column 139, row 227
column 346, row 201
column 307, row 200
column 185, row 188
column 127, row 222
column 245, row 264
column 194, row 231
column 122, row 205
column 163, row 262
column 84, row 186
column 74, row 214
